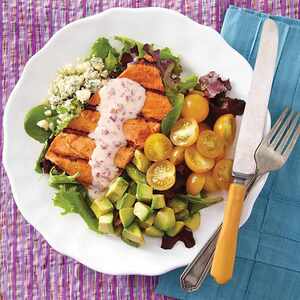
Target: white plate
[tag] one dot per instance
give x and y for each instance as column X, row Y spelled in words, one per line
column 202, row 50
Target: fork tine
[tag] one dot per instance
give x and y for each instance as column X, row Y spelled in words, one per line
column 283, row 143
column 292, row 143
column 281, row 131
column 276, row 126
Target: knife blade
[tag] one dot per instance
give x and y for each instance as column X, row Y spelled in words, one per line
column 254, row 117
column 250, row 135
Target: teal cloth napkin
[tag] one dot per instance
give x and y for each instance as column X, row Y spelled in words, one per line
column 268, row 257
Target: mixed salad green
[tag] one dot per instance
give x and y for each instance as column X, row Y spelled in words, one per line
column 131, row 206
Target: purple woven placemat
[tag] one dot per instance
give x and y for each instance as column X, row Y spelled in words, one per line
column 29, row 267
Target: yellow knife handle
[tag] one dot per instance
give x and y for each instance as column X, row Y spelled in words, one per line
column 224, row 257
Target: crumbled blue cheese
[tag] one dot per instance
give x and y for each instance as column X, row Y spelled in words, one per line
column 51, row 126
column 93, row 85
column 48, row 113
column 83, row 95
column 43, row 124
column 84, row 75
column 72, row 88
column 97, row 63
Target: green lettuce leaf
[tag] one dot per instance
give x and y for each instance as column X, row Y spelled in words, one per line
column 130, row 43
column 110, row 61
column 72, row 201
column 101, row 48
column 166, row 53
column 56, row 179
column 72, row 197
column 187, row 83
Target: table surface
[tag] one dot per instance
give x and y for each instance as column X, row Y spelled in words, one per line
column 30, row 268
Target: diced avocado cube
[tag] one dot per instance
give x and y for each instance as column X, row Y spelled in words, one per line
column 193, row 222
column 142, row 211
column 144, row 192
column 176, row 229
column 153, row 231
column 141, row 161
column 132, row 188
column 136, row 175
column 118, row 230
column 101, row 206
column 183, row 215
column 106, row 223
column 126, row 216
column 117, row 189
column 134, row 234
column 165, row 219
column 178, row 205
column 158, row 201
column 126, row 201
column 130, row 243
column 147, row 223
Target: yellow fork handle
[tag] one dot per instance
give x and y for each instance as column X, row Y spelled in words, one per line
column 224, row 257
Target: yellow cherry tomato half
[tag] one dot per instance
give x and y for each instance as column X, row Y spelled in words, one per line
column 177, row 155
column 161, row 175
column 197, row 162
column 195, row 106
column 221, row 156
column 210, row 144
column 222, row 173
column 195, row 183
column 225, row 126
column 157, row 147
column 185, row 132
column 210, row 184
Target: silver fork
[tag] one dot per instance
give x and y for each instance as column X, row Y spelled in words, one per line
column 270, row 155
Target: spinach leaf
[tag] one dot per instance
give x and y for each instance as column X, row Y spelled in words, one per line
column 170, row 119
column 35, row 115
column 187, row 83
column 38, row 167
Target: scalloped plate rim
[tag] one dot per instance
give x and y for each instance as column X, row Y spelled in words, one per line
column 12, row 101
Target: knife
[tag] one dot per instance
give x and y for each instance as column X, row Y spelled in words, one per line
column 250, row 135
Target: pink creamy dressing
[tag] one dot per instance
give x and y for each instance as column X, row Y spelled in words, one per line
column 121, row 99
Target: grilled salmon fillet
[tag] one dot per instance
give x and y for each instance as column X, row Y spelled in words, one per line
column 95, row 99
column 123, row 156
column 137, row 130
column 86, row 121
column 156, row 106
column 146, row 75
column 72, row 145
column 72, row 166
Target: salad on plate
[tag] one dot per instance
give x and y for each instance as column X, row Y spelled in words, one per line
column 131, row 145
